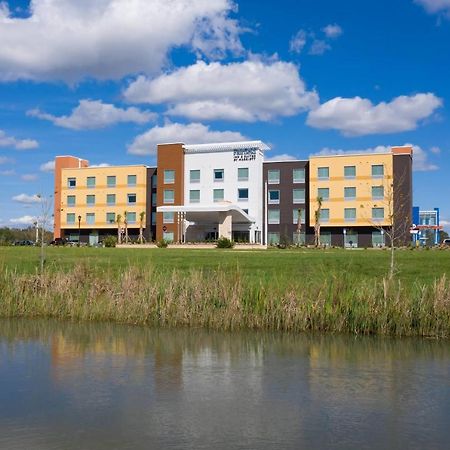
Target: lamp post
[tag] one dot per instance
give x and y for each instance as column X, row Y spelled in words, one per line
column 345, row 233
column 79, row 230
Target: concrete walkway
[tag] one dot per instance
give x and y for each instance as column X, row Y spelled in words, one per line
column 194, row 246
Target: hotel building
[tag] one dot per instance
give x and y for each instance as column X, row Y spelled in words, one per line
column 202, row 192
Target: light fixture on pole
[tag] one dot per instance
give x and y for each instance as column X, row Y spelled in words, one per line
column 79, row 230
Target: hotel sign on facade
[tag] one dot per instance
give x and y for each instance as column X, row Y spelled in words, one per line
column 244, row 154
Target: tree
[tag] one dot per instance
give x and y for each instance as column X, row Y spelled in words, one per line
column 141, row 227
column 442, row 235
column 44, row 220
column 125, row 222
column 317, row 222
column 119, row 228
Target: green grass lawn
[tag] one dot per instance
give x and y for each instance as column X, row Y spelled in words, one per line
column 265, row 266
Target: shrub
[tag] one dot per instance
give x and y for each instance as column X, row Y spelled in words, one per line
column 162, row 243
column 110, row 241
column 224, row 242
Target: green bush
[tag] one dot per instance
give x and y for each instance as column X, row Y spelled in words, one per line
column 224, row 242
column 110, row 241
column 162, row 243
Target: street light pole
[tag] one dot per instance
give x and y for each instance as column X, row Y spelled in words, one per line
column 79, row 230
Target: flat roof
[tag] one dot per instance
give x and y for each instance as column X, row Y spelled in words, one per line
column 225, row 146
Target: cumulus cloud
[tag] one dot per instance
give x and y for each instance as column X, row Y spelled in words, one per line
column 24, row 220
column 29, row 177
column 248, row 91
column 298, row 41
column 193, row 133
column 109, row 39
column 18, row 144
column 332, row 31
column 435, row 6
column 282, row 157
column 359, row 116
column 100, row 165
column 7, row 173
column 49, row 166
column 5, row 160
column 27, row 199
column 94, row 114
column 319, row 47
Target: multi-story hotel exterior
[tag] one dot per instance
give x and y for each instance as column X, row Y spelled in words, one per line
column 202, row 192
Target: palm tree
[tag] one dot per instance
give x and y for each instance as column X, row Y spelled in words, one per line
column 141, row 227
column 125, row 222
column 317, row 222
column 119, row 234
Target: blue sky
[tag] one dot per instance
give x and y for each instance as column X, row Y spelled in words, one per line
column 107, row 80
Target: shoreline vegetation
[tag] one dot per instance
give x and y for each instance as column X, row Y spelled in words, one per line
column 175, row 290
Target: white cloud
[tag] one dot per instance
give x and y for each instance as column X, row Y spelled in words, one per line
column 24, row 220
column 194, row 133
column 358, row 116
column 248, row 91
column 282, row 157
column 93, row 114
column 435, row 6
column 332, row 31
column 7, row 173
column 5, row 160
column 47, row 167
column 109, row 39
column 319, row 47
column 298, row 41
column 27, row 199
column 100, row 165
column 18, row 144
column 435, row 150
column 29, row 177
column 444, row 223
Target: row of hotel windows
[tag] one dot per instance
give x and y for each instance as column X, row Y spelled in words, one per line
column 194, row 195
column 110, row 181
column 350, row 193
column 349, row 215
column 273, row 176
column 194, row 175
column 110, row 199
column 110, row 218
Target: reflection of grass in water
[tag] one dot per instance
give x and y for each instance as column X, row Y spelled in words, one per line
column 231, row 299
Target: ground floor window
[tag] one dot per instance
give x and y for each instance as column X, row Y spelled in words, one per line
column 325, row 238
column 241, row 236
column 168, row 236
column 273, row 238
column 351, row 240
column 298, row 238
column 377, row 239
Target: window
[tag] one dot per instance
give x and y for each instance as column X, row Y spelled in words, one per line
column 349, row 193
column 110, row 199
column 154, row 198
column 350, row 214
column 351, row 239
column 218, row 174
column 323, row 193
column 377, row 239
column 298, row 175
column 194, row 196
column 377, row 171
column 168, row 236
column 71, row 200
column 131, row 180
column 90, row 200
column 273, row 176
column 90, row 182
column 194, row 176
column 243, row 194
column 323, row 173
column 324, row 215
column 298, row 196
column 131, row 199
column 273, row 238
column 154, row 181
column 218, row 195
column 350, row 171
column 377, row 192
column 274, row 216
column 110, row 217
column 169, row 196
column 298, row 238
column 377, row 213
column 90, row 218
column 169, row 176
column 298, row 213
column 71, row 183
column 153, row 218
column 274, row 197
column 168, row 217
column 325, row 238
column 111, row 181
column 70, row 218
column 242, row 173
column 131, row 217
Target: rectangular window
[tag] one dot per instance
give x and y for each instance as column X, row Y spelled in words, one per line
column 168, row 236
column 377, row 213
column 350, row 214
column 243, row 194
column 111, row 199
column 298, row 175
column 153, row 218
column 324, row 215
column 350, row 171
column 274, row 197
column 194, row 196
column 273, row 176
column 273, row 238
column 154, row 198
column 323, row 173
column 351, row 239
column 90, row 218
column 377, row 170
column 298, row 213
column 90, row 200
column 71, row 183
column 70, row 218
column 154, row 181
column 349, row 193
column 90, row 182
column 298, row 196
column 274, row 216
column 131, row 217
column 298, row 238
column 242, row 173
column 218, row 195
column 377, row 192
column 377, row 239
column 131, row 180
column 111, row 181
column 218, row 174
column 168, row 217
column 323, row 193
column 169, row 176
column 325, row 238
column 131, row 199
column 169, row 196
column 71, row 200
column 194, row 176
column 110, row 217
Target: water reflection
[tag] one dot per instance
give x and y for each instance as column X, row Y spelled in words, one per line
column 107, row 386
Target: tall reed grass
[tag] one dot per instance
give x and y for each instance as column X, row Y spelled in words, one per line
column 229, row 301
